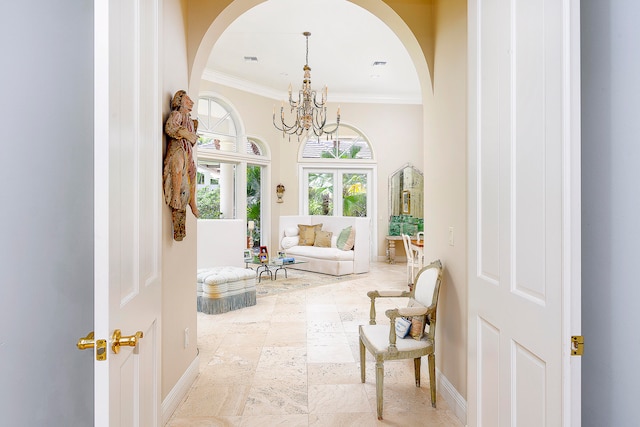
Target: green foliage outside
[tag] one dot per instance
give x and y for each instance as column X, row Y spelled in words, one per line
column 208, row 200
column 320, row 194
column 253, row 201
column 354, row 194
column 354, row 188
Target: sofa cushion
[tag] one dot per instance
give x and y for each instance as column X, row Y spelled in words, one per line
column 308, row 234
column 288, row 242
column 323, row 239
column 346, row 239
column 331, row 254
column 291, row 231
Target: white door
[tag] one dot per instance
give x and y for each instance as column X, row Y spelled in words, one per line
column 128, row 144
column 524, row 212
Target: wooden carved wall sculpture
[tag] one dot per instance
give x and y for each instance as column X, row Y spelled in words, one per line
column 179, row 175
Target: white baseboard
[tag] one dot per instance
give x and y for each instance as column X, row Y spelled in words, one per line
column 180, row 390
column 454, row 399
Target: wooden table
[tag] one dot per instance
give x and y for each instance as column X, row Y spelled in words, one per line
column 391, row 248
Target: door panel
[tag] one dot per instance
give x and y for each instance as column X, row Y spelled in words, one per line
column 128, row 144
column 520, row 113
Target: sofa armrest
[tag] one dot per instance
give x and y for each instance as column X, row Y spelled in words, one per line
column 362, row 246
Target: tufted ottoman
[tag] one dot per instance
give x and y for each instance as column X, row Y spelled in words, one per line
column 222, row 289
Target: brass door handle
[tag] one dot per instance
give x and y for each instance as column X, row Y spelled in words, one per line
column 118, row 340
column 86, row 342
column 90, row 342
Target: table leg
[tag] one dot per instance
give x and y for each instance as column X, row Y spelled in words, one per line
column 265, row 269
column 280, row 267
column 391, row 246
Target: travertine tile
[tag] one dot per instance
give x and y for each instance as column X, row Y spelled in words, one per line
column 297, row 420
column 333, row 373
column 205, row 422
column 275, row 400
column 293, row 360
column 287, row 334
column 354, row 419
column 338, row 398
column 210, row 400
column 329, row 354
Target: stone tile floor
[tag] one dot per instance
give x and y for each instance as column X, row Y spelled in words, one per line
column 293, row 360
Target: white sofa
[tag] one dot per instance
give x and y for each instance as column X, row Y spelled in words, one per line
column 327, row 260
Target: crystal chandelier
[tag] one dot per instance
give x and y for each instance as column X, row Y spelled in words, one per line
column 311, row 114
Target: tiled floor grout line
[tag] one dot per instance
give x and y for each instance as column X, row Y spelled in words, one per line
column 346, row 303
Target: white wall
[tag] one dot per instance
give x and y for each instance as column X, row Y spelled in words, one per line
column 46, row 244
column 221, row 242
column 610, row 207
column 178, row 258
column 446, row 187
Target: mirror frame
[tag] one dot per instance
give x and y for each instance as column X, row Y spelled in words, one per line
column 404, row 196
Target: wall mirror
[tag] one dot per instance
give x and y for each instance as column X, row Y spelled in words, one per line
column 406, row 189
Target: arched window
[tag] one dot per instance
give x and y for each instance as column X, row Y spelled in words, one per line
column 349, row 143
column 231, row 167
column 337, row 175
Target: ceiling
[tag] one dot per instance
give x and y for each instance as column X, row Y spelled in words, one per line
column 345, row 42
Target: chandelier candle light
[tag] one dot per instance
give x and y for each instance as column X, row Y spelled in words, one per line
column 311, row 115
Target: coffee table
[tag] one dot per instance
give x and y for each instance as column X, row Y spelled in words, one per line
column 271, row 269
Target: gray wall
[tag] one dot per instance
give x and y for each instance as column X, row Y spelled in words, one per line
column 46, row 213
column 610, row 211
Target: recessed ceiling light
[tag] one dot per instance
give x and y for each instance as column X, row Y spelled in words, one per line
column 251, row 58
column 379, row 63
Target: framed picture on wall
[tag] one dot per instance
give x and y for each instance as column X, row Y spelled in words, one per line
column 406, row 202
column 247, row 255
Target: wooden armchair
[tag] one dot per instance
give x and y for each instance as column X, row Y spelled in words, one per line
column 381, row 340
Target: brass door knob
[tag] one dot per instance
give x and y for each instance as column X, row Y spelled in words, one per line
column 118, row 340
column 86, row 342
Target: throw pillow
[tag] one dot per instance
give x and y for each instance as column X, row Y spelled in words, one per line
column 417, row 327
column 346, row 239
column 308, row 234
column 402, row 327
column 289, row 242
column 323, row 239
column 291, row 231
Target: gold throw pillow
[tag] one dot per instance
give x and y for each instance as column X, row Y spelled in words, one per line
column 308, row 234
column 323, row 239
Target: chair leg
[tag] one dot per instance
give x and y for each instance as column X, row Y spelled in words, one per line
column 432, row 378
column 379, row 384
column 362, row 361
column 416, row 366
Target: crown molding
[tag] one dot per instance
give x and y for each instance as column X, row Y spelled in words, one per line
column 336, row 97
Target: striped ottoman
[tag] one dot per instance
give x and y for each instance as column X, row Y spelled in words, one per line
column 222, row 289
